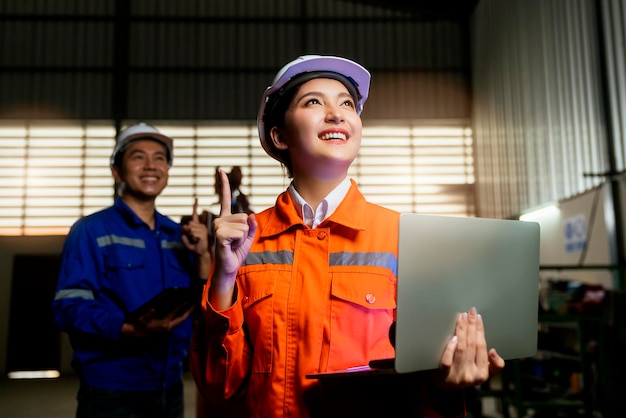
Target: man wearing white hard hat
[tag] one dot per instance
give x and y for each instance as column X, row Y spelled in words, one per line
column 309, row 285
column 114, row 261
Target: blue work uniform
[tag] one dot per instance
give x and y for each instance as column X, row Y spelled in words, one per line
column 112, row 263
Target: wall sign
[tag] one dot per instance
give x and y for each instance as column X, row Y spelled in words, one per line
column 575, row 234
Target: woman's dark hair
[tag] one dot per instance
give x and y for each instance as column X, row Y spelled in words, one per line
column 276, row 118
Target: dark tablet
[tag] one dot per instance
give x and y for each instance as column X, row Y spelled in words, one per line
column 169, row 300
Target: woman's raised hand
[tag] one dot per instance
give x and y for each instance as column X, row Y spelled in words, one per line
column 234, row 235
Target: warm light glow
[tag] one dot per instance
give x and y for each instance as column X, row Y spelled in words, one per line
column 17, row 132
column 35, row 374
column 225, row 131
column 386, row 131
column 437, row 131
column 541, row 212
column 56, row 132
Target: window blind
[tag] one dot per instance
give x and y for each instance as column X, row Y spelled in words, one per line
column 54, row 172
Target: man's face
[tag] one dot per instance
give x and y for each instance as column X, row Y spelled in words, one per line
column 144, row 170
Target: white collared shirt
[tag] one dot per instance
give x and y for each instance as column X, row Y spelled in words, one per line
column 326, row 207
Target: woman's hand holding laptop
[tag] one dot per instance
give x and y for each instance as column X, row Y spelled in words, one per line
column 466, row 360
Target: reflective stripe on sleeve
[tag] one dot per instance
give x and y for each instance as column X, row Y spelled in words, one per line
column 74, row 293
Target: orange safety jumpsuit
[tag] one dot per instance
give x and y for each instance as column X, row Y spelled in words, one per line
column 311, row 300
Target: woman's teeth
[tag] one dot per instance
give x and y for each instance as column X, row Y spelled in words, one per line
column 334, row 135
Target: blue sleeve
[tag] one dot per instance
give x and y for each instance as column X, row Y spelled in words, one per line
column 75, row 307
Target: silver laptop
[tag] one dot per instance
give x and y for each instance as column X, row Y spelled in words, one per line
column 448, row 264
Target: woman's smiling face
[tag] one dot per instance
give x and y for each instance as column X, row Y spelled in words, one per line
column 322, row 128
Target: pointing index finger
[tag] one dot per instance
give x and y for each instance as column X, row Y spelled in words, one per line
column 225, row 196
column 194, row 215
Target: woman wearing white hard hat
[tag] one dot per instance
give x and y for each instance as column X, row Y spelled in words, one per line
column 309, row 284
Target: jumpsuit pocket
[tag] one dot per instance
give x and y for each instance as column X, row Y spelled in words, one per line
column 370, row 291
column 362, row 311
column 123, row 259
column 126, row 268
column 126, row 278
column 256, row 301
column 180, row 273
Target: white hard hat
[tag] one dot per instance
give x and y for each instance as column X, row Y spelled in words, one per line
column 350, row 70
column 139, row 131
